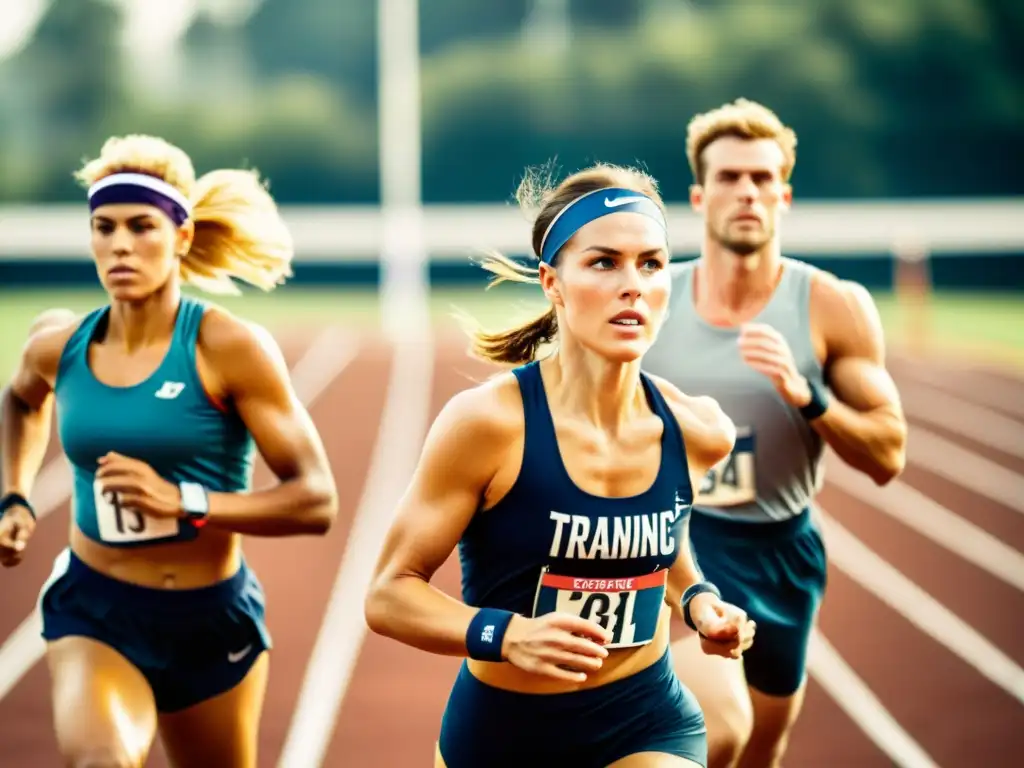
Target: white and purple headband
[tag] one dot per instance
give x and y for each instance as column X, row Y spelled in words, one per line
column 140, row 188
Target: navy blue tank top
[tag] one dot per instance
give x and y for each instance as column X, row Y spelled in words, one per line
column 550, row 546
column 167, row 421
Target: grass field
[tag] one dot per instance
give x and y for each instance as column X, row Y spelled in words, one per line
column 989, row 324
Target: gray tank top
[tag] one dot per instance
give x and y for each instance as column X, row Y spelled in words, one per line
column 775, row 469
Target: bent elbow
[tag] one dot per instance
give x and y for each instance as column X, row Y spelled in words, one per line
column 327, row 513
column 320, row 524
column 386, row 606
column 375, row 609
column 372, row 615
column 322, row 507
column 890, row 467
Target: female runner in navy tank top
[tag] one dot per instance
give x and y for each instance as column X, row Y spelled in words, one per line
column 566, row 485
column 153, row 619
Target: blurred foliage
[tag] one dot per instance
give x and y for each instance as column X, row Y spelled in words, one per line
column 889, row 97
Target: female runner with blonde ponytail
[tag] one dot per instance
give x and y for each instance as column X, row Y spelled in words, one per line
column 151, row 615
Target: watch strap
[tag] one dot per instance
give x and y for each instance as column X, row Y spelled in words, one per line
column 819, row 401
column 195, row 502
column 16, row 500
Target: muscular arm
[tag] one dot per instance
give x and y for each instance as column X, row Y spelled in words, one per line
column 27, row 402
column 684, row 573
column 251, row 373
column 864, row 423
column 710, row 436
column 461, row 455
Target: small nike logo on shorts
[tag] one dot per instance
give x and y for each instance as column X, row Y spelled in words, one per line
column 236, row 656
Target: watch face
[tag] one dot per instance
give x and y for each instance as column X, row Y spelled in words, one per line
column 194, row 500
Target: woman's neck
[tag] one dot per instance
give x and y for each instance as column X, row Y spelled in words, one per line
column 135, row 325
column 604, row 392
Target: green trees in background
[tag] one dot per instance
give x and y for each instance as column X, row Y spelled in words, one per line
column 922, row 97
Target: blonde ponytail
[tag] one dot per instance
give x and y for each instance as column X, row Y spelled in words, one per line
column 239, row 233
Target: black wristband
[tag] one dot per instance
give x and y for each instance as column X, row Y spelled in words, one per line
column 16, row 500
column 818, row 403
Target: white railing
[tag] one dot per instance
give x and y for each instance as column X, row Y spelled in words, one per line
column 451, row 232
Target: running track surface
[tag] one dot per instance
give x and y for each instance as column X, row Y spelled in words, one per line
column 917, row 680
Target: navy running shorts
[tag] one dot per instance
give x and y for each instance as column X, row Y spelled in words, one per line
column 650, row 711
column 190, row 644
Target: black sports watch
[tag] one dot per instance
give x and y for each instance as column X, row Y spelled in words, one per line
column 195, row 502
column 818, row 403
column 16, row 500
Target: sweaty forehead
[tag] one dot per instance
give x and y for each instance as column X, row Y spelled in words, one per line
column 734, row 154
column 626, row 231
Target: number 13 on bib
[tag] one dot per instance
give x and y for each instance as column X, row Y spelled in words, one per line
column 119, row 524
column 627, row 607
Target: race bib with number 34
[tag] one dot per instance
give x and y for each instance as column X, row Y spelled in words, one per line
column 118, row 524
column 628, row 607
column 734, row 479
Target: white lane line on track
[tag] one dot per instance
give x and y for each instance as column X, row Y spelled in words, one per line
column 403, row 426
column 861, row 705
column 981, row 388
column 324, row 360
column 983, row 425
column 891, row 587
column 933, row 521
column 966, row 468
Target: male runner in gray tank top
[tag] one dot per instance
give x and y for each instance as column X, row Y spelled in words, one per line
column 795, row 357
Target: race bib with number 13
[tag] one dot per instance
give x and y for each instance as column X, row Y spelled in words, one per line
column 119, row 524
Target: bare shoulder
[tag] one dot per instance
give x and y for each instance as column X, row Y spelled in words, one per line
column 241, row 360
column 471, row 438
column 230, row 341
column 692, row 409
column 831, row 294
column 847, row 314
column 709, row 432
column 488, row 415
column 48, row 334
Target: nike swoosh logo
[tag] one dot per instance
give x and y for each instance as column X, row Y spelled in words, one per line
column 622, row 201
column 237, row 656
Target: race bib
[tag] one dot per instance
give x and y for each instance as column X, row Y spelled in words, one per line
column 733, row 480
column 119, row 524
column 628, row 607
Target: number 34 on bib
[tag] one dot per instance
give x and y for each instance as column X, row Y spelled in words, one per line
column 627, row 607
column 733, row 480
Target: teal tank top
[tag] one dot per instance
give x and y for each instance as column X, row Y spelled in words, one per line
column 776, row 467
column 168, row 421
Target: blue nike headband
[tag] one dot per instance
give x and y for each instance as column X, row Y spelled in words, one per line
column 593, row 205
